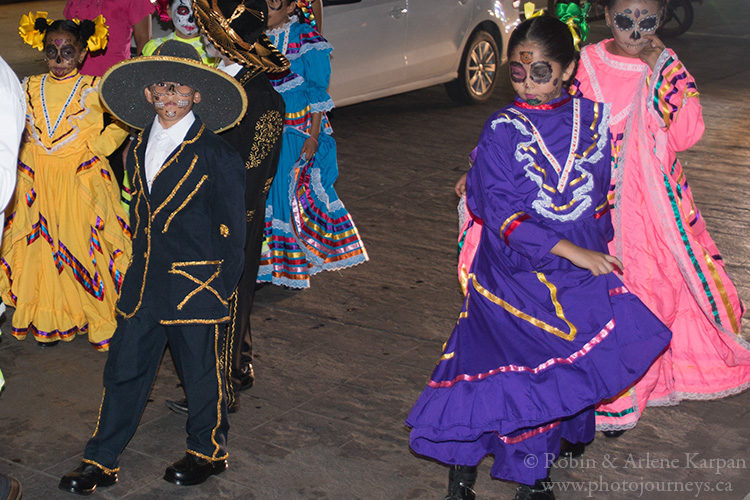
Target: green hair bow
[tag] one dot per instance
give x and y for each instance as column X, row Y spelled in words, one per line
column 575, row 17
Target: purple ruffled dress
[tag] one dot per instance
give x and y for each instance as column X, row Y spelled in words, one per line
column 538, row 341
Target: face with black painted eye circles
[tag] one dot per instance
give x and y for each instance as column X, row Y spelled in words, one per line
column 631, row 22
column 535, row 78
column 62, row 53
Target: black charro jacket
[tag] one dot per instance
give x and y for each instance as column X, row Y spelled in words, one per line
column 188, row 231
column 257, row 138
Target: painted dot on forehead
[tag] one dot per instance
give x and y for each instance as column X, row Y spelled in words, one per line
column 527, row 56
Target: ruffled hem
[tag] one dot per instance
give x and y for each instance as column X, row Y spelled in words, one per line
column 67, row 335
column 322, row 106
column 514, row 397
column 307, row 47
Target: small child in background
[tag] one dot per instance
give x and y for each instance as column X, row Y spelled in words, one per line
column 180, row 13
column 66, row 242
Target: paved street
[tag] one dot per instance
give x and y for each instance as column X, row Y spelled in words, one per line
column 339, row 365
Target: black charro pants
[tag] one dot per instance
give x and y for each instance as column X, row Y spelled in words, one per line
column 135, row 353
column 239, row 352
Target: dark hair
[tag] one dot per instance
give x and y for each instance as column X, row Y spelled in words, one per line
column 552, row 34
column 81, row 32
column 610, row 3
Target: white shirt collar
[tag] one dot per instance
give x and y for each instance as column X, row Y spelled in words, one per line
column 176, row 132
column 231, row 69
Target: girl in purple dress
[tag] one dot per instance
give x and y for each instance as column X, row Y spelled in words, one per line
column 547, row 330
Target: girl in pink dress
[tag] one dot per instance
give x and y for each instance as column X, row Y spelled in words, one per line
column 671, row 262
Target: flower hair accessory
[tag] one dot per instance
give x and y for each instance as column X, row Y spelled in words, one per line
column 28, row 31
column 97, row 41
column 162, row 7
column 575, row 17
column 528, row 10
column 307, row 13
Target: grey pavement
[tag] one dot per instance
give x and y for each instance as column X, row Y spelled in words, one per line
column 339, row 365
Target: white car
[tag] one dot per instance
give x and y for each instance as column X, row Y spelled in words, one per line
column 386, row 47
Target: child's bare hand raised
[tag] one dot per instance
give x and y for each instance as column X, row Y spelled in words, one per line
column 653, row 49
column 597, row 262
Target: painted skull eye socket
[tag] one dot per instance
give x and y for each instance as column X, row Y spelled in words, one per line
column 623, row 22
column 183, row 10
column 68, row 52
column 50, row 52
column 517, row 72
column 648, row 23
column 541, row 72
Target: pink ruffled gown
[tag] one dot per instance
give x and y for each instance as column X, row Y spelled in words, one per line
column 671, row 262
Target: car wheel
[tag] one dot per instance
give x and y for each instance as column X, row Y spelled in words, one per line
column 477, row 73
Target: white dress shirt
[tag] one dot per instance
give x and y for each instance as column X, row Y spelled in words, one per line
column 161, row 143
column 13, row 118
column 230, row 69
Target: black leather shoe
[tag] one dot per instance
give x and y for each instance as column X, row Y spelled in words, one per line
column 613, row 434
column 84, row 479
column 542, row 490
column 461, row 479
column 243, row 378
column 191, row 469
column 178, row 406
column 181, row 406
column 571, row 450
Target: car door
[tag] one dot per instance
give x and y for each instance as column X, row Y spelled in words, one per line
column 435, row 32
column 368, row 38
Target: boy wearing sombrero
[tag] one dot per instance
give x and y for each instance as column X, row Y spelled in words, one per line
column 233, row 32
column 187, row 219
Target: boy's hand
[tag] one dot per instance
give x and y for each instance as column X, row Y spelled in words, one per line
column 651, row 52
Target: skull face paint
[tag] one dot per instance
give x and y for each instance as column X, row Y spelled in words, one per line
column 62, row 53
column 517, row 72
column 632, row 22
column 535, row 79
column 541, row 72
column 183, row 19
column 171, row 101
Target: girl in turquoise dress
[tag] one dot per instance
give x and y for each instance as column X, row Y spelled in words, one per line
column 307, row 230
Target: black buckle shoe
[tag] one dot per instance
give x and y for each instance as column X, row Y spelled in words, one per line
column 191, row 469
column 542, row 490
column 461, row 479
column 243, row 378
column 85, row 478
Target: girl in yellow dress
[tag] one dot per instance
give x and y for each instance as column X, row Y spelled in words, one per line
column 66, row 241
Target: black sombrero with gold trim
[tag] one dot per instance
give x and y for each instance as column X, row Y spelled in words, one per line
column 237, row 29
column 223, row 101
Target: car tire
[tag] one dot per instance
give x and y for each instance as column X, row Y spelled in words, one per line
column 478, row 71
